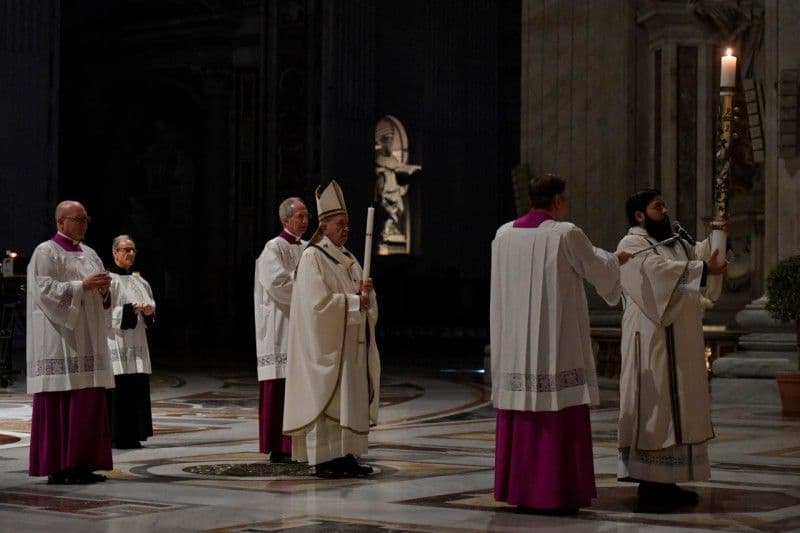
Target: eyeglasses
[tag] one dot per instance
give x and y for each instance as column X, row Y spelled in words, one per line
column 80, row 220
column 127, row 250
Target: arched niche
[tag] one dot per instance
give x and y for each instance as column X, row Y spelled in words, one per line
column 389, row 124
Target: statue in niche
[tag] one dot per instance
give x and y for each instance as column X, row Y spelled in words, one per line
column 390, row 160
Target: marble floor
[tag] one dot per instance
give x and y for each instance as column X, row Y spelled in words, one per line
column 433, row 453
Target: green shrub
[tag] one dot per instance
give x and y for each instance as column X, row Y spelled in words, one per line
column 783, row 290
column 783, row 293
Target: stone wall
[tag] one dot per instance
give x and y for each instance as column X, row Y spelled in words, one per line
column 782, row 174
column 578, row 95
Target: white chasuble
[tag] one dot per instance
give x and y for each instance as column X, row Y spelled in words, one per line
column 128, row 347
column 67, row 327
column 272, row 296
column 541, row 350
column 665, row 405
column 333, row 368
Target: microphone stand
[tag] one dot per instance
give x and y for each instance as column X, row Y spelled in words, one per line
column 659, row 243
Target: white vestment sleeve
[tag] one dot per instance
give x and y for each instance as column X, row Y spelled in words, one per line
column 657, row 284
column 595, row 265
column 694, row 275
column 116, row 302
column 60, row 301
column 713, row 288
column 276, row 274
column 353, row 303
column 149, row 290
column 702, row 250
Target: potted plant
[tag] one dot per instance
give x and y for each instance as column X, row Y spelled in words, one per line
column 783, row 294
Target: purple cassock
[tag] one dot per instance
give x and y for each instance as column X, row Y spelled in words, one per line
column 270, row 403
column 69, row 429
column 543, row 459
column 270, row 418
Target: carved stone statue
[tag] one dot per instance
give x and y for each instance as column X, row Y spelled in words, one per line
column 391, row 193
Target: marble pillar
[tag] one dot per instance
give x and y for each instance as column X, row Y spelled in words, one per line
column 679, row 85
column 769, row 346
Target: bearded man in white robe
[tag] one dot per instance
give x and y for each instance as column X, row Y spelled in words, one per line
column 333, row 367
column 69, row 369
column 665, row 406
column 272, row 296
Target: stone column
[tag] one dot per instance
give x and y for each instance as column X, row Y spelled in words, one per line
column 680, row 88
column 770, row 346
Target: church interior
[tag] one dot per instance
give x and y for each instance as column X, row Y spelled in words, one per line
column 184, row 124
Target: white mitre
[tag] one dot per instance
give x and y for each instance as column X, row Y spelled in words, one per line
column 330, row 202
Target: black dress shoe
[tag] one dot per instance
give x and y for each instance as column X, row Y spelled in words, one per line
column 568, row 511
column 682, row 496
column 59, row 478
column 132, row 445
column 83, row 476
column 281, row 458
column 330, row 470
column 354, row 468
column 96, row 478
column 665, row 496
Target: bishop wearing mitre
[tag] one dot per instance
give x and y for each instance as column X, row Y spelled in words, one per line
column 333, row 365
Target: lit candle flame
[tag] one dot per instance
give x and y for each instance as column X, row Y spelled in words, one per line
column 729, row 52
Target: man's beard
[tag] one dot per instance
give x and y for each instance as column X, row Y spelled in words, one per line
column 659, row 230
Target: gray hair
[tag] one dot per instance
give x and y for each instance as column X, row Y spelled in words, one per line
column 118, row 239
column 286, row 209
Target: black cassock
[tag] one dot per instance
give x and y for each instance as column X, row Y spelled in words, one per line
column 129, row 411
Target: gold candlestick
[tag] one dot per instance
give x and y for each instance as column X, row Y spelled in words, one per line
column 722, row 179
column 723, row 174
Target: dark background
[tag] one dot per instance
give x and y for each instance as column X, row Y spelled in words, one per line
column 185, row 123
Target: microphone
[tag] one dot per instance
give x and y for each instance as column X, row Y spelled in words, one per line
column 677, row 228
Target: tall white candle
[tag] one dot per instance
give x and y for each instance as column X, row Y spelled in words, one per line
column 727, row 75
column 368, row 242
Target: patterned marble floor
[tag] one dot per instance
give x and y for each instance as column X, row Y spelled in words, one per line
column 433, row 453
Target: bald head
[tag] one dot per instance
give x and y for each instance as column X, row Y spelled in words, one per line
column 72, row 220
column 66, row 208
